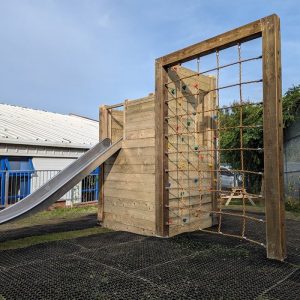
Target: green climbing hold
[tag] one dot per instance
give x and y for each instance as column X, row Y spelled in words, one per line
column 196, row 147
column 189, row 122
column 173, row 91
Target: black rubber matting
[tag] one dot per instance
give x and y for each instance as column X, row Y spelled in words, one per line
column 120, row 265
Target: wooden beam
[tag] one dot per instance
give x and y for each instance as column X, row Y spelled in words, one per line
column 273, row 139
column 242, row 34
column 103, row 121
column 161, row 147
column 124, row 118
column 103, row 133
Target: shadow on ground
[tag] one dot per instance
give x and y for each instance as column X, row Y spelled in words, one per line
column 120, row 265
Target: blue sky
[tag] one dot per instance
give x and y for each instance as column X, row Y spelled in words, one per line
column 71, row 56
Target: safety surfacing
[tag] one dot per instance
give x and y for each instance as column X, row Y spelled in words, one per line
column 120, row 265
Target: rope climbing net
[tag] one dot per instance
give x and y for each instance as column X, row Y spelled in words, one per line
column 215, row 142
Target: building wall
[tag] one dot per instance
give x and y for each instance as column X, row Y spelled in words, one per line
column 7, row 149
column 51, row 163
column 292, row 160
column 48, row 167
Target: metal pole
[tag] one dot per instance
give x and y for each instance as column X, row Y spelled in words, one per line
column 6, row 186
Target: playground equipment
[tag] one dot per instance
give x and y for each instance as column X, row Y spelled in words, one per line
column 161, row 176
column 128, row 200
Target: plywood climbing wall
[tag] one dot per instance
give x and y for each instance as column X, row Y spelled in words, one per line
column 191, row 145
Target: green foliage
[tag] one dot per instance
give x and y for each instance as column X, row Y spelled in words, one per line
column 290, row 105
column 252, row 115
column 252, row 137
column 57, row 236
column 50, row 217
column 292, row 204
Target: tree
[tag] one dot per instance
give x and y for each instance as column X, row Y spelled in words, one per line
column 252, row 115
column 291, row 105
column 252, row 138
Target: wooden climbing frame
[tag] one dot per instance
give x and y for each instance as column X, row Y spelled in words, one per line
column 268, row 29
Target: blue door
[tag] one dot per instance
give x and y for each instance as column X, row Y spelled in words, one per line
column 19, row 170
column 90, row 186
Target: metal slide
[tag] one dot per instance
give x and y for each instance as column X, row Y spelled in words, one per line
column 59, row 185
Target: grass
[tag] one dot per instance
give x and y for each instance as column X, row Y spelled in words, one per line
column 290, row 215
column 40, row 239
column 51, row 217
column 66, row 214
column 61, row 213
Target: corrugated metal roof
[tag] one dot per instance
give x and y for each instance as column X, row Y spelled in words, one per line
column 20, row 125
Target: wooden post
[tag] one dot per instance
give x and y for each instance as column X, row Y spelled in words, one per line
column 124, row 119
column 161, row 147
column 103, row 133
column 103, row 122
column 109, row 121
column 273, row 139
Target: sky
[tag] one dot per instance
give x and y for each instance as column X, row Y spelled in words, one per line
column 71, row 56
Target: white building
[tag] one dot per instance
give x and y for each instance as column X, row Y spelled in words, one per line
column 36, row 144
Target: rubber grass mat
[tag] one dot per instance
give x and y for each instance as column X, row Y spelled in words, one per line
column 120, row 265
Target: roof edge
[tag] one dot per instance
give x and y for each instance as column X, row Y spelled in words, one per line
column 45, row 144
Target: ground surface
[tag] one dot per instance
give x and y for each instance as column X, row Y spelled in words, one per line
column 119, row 265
